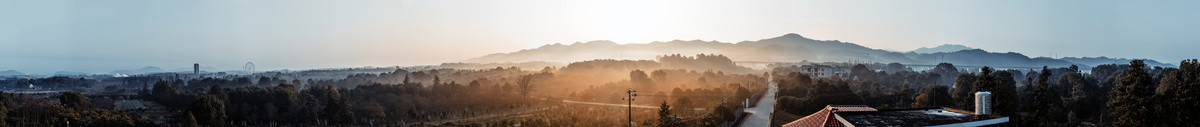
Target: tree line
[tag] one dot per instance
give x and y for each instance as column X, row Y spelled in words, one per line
column 1110, row 95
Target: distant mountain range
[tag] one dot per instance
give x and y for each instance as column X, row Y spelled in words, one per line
column 789, row 48
column 70, row 73
column 189, row 69
column 1105, row 60
column 942, row 48
column 144, row 70
column 10, row 73
column 152, row 69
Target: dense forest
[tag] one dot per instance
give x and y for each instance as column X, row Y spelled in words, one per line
column 1110, row 95
column 65, row 109
column 552, row 96
column 57, row 82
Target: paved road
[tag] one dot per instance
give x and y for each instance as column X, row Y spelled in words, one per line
column 760, row 115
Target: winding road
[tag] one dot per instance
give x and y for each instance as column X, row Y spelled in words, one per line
column 760, row 115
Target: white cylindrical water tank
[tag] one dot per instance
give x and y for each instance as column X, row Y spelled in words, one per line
column 983, row 103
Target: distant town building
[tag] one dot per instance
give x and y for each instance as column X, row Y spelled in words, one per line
column 822, row 71
column 196, row 68
column 816, row 70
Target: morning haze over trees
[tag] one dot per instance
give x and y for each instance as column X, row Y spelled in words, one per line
column 677, row 83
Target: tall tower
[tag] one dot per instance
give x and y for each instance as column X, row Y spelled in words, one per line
column 196, row 68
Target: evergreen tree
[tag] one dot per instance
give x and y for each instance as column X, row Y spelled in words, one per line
column 218, row 92
column 264, row 81
column 1044, row 100
column 144, row 92
column 3, row 113
column 163, row 91
column 437, row 80
column 861, row 73
column 664, row 116
column 904, row 97
column 405, row 79
column 1002, row 87
column 934, row 96
column 1084, row 98
column 1179, row 95
column 1026, row 92
column 189, row 120
column 1130, row 105
column 74, row 100
column 209, row 111
column 963, row 85
column 337, row 111
column 308, row 112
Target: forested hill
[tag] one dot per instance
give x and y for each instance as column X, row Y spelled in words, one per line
column 1095, row 61
column 787, row 48
column 942, row 48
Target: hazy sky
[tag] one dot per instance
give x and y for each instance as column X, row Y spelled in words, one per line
column 43, row 36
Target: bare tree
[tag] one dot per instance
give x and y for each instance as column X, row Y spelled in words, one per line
column 525, row 84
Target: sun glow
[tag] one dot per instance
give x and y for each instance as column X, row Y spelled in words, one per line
column 632, row 21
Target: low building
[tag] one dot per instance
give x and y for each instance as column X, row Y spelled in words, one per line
column 861, row 115
column 817, row 71
column 828, row 117
column 822, row 71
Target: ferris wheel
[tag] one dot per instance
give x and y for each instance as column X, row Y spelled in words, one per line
column 249, row 67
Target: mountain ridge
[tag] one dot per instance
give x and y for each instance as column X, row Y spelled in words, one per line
column 143, row 70
column 789, row 47
column 10, row 73
column 942, row 48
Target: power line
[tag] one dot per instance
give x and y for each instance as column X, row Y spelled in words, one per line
column 698, row 96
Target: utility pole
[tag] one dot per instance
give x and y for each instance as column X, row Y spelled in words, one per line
column 943, row 58
column 630, row 93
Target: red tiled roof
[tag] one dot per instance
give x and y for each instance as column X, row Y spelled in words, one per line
column 852, row 108
column 826, row 118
